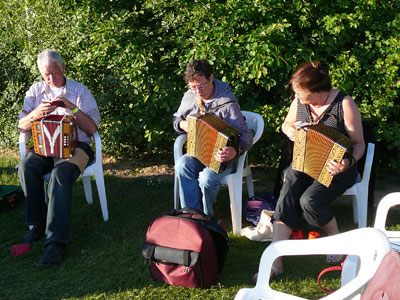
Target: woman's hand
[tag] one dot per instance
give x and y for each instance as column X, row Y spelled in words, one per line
column 335, row 168
column 290, row 130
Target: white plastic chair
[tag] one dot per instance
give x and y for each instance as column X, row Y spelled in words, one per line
column 384, row 205
column 359, row 190
column 234, row 181
column 95, row 169
column 369, row 244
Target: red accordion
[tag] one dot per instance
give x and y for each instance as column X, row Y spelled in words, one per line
column 55, row 135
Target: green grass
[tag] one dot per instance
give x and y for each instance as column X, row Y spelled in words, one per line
column 104, row 258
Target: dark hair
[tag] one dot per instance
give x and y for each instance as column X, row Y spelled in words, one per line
column 198, row 67
column 312, row 76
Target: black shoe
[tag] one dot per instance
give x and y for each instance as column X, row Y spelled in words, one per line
column 35, row 234
column 52, row 256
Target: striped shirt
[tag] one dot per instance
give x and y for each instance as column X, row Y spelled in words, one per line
column 333, row 116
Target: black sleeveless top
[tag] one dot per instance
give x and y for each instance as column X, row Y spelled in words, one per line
column 333, row 116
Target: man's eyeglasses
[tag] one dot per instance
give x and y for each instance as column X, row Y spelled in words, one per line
column 198, row 87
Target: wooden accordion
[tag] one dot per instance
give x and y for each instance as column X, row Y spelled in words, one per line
column 207, row 134
column 315, row 146
column 55, row 135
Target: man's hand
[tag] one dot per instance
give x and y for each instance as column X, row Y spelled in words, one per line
column 184, row 125
column 225, row 154
column 67, row 103
column 44, row 109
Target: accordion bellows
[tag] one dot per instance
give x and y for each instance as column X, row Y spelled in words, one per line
column 207, row 134
column 55, row 136
column 315, row 146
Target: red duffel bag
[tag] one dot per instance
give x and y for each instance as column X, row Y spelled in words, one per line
column 385, row 285
column 186, row 248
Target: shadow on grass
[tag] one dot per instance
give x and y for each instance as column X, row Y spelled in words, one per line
column 104, row 258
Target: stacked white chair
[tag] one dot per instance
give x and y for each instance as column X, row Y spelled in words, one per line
column 384, row 206
column 370, row 245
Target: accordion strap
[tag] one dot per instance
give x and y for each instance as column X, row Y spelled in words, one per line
column 313, row 121
column 200, row 104
column 202, row 109
column 223, row 104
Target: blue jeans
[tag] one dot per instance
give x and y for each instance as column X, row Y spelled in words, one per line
column 56, row 213
column 199, row 185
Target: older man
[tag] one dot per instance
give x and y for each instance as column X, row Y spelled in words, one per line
column 199, row 185
column 52, row 218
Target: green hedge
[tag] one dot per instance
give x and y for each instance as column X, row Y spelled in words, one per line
column 131, row 55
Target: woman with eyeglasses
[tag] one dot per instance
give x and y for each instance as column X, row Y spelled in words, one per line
column 199, row 185
column 315, row 102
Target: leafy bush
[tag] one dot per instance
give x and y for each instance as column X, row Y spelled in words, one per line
column 132, row 55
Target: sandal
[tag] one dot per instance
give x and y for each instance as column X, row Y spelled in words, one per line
column 275, row 272
column 335, row 260
column 254, row 277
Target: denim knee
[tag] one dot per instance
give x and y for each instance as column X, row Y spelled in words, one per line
column 64, row 174
column 208, row 179
column 27, row 166
column 188, row 166
column 180, row 164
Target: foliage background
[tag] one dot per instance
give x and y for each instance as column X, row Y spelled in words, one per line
column 131, row 55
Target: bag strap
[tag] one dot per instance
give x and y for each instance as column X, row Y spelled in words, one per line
column 189, row 210
column 212, row 224
column 333, row 268
column 148, row 251
column 169, row 256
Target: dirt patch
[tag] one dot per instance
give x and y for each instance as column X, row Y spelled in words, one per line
column 135, row 168
column 121, row 168
column 9, row 153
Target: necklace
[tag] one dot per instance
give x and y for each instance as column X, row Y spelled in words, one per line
column 326, row 99
column 319, row 116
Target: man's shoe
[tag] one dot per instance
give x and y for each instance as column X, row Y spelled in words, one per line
column 52, row 256
column 35, row 234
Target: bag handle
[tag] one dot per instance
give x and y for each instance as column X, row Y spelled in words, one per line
column 193, row 211
column 210, row 222
column 334, row 268
column 169, row 256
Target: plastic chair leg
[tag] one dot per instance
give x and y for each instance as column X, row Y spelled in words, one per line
column 88, row 189
column 102, row 194
column 250, row 185
column 235, row 195
column 176, row 193
column 362, row 207
column 355, row 209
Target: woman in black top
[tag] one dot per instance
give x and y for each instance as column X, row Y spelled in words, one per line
column 316, row 102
